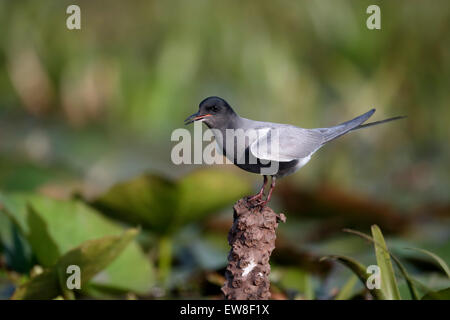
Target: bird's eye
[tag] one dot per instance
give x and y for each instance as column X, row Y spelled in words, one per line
column 214, row 109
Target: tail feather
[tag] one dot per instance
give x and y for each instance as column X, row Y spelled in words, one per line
column 354, row 124
column 343, row 128
column 362, row 126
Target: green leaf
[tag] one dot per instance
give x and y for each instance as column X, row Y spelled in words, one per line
column 205, row 191
column 148, row 200
column 91, row 257
column 411, row 283
column 388, row 281
column 347, row 290
column 360, row 271
column 436, row 258
column 53, row 227
column 44, row 286
column 162, row 206
column 15, row 248
column 409, row 280
column 437, row 295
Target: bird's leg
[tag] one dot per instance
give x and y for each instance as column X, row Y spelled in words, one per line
column 261, row 192
column 272, row 186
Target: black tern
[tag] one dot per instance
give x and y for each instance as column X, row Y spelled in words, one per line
column 294, row 145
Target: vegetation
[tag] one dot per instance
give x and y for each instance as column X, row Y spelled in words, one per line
column 86, row 118
column 388, row 287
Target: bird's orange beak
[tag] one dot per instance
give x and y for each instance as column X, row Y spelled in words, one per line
column 196, row 117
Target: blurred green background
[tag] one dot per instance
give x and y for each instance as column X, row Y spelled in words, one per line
column 82, row 110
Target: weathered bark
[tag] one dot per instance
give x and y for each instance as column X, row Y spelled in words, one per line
column 252, row 240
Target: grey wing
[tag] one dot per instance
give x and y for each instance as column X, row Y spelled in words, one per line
column 337, row 131
column 287, row 143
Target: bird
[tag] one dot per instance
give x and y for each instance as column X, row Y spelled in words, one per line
column 284, row 147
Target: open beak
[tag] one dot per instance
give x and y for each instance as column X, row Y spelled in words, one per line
column 196, row 117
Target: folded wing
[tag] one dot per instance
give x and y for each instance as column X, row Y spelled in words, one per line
column 286, row 143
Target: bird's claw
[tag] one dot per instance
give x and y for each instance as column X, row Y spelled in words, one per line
column 255, row 197
column 261, row 204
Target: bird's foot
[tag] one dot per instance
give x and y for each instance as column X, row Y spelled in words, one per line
column 257, row 196
column 260, row 194
column 261, row 204
column 256, row 200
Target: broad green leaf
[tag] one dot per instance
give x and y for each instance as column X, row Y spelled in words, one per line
column 53, row 227
column 95, row 255
column 207, row 190
column 162, row 205
column 436, row 258
column 347, row 290
column 438, row 295
column 360, row 271
column 388, row 281
column 148, row 200
column 91, row 257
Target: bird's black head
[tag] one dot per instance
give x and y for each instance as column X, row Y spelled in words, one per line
column 215, row 112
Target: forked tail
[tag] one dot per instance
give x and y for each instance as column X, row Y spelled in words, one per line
column 354, row 124
column 362, row 126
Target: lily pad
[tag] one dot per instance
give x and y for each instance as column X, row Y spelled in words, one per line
column 91, row 257
column 53, row 227
column 162, row 205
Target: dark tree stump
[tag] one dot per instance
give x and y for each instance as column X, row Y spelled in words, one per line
column 252, row 240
